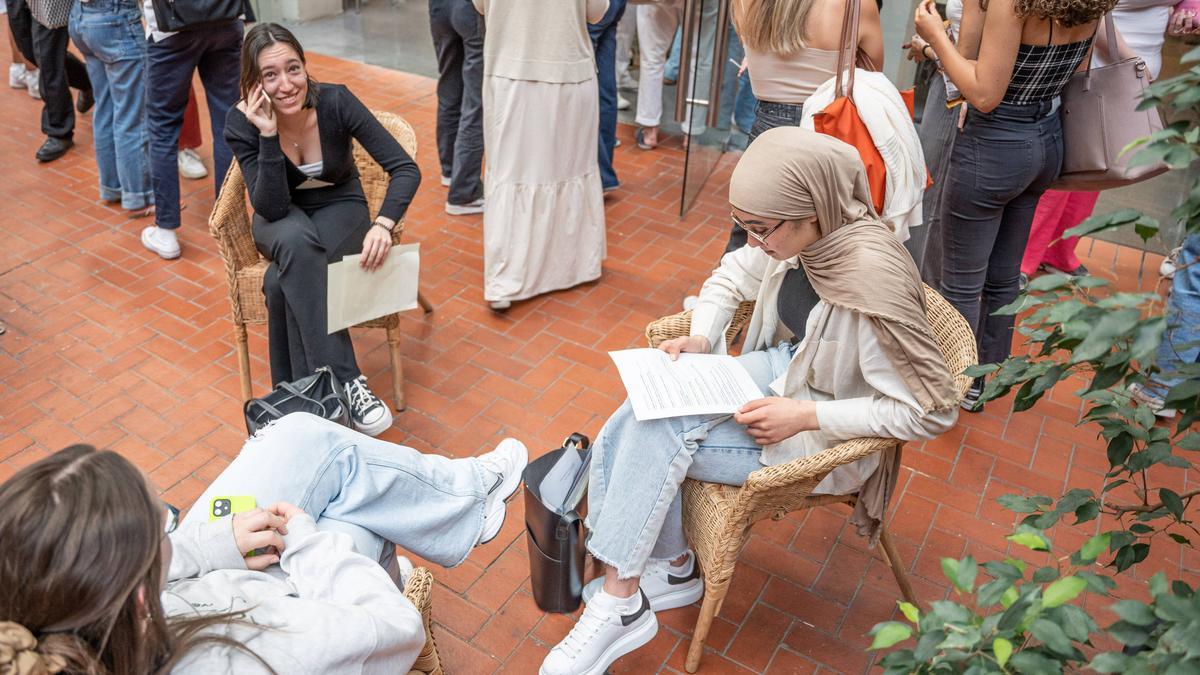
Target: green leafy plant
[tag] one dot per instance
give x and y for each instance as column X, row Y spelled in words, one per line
column 1014, row 616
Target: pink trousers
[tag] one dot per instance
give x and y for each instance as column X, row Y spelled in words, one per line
column 1056, row 213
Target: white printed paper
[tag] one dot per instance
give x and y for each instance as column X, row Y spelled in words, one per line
column 696, row 384
column 355, row 295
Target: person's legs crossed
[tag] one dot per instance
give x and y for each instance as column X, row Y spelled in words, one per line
column 379, row 492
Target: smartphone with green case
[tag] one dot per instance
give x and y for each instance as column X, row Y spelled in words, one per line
column 220, row 507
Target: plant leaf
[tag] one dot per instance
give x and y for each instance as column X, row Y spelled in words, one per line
column 889, row 633
column 910, row 611
column 1136, row 613
column 1094, row 547
column 1062, row 591
column 1172, row 501
column 1002, row 649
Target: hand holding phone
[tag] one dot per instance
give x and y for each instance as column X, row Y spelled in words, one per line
column 260, row 111
column 256, row 532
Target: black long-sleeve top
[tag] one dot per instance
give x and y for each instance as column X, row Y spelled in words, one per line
column 271, row 178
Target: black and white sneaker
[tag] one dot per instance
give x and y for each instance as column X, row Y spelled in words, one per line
column 609, row 628
column 970, row 401
column 367, row 412
column 665, row 586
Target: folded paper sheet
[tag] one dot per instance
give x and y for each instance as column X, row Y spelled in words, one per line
column 356, row 295
column 696, row 384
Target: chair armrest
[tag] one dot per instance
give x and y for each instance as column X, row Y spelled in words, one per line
column 680, row 325
column 814, row 466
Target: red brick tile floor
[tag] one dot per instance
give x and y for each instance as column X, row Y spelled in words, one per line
column 110, row 345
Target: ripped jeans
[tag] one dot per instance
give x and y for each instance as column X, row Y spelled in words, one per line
column 635, row 512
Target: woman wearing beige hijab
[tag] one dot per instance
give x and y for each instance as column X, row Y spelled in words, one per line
column 861, row 362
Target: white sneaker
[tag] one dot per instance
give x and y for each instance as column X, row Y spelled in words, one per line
column 190, row 165
column 445, row 181
column 33, row 84
column 368, row 414
column 666, row 586
column 1147, row 397
column 689, row 303
column 627, row 82
column 609, row 628
column 623, row 103
column 163, row 242
column 465, row 209
column 404, row 569
column 506, row 463
column 16, row 76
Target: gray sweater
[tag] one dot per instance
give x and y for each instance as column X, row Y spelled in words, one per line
column 324, row 609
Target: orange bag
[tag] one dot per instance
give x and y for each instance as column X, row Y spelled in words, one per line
column 841, row 120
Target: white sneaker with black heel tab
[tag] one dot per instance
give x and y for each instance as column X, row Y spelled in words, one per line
column 665, row 586
column 609, row 628
column 506, row 464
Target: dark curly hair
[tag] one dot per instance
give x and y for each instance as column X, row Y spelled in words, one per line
column 1065, row 13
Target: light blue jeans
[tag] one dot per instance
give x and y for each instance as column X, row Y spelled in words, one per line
column 380, row 493
column 109, row 34
column 634, row 509
column 1181, row 343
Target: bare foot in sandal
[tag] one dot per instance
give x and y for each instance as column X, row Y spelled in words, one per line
column 144, row 212
column 647, row 138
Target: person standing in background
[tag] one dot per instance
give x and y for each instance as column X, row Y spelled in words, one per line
column 172, row 58
column 190, row 164
column 458, row 41
column 604, row 44
column 40, row 30
column 115, row 56
column 543, row 223
column 21, row 73
column 1141, row 26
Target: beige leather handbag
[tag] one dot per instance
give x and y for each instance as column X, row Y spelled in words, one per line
column 1100, row 117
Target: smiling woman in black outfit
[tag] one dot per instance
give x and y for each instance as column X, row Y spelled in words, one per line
column 292, row 138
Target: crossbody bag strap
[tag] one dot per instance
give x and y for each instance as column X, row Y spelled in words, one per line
column 846, row 56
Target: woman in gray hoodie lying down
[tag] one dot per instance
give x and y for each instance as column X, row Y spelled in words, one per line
column 98, row 575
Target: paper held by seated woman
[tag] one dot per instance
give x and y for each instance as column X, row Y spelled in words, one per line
column 695, row 384
column 355, row 295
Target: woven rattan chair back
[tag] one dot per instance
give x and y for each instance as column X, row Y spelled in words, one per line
column 717, row 518
column 419, row 591
column 230, row 225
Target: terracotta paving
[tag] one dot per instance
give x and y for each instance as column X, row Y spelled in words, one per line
column 110, row 345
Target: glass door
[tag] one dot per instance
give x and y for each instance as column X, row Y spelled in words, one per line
column 704, row 67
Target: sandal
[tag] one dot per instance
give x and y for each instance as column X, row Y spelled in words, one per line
column 640, row 137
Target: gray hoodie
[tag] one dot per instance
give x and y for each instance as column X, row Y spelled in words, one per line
column 324, row 609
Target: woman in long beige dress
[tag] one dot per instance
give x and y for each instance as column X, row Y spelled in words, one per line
column 543, row 218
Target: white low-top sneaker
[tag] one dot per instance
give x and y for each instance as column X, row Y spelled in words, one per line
column 665, row 586
column 445, row 181
column 468, row 209
column 190, row 165
column 16, row 76
column 163, row 242
column 609, row 628
column 368, row 414
column 506, row 464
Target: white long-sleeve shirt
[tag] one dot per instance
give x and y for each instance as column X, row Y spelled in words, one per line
column 857, row 390
column 325, row 609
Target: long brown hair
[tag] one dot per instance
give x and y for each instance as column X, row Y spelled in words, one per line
column 81, row 570
column 259, row 38
column 778, row 26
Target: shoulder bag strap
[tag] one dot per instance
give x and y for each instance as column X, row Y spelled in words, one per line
column 846, row 57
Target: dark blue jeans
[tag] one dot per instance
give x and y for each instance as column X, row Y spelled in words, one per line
column 458, row 41
column 767, row 115
column 1000, row 165
column 214, row 51
column 604, row 42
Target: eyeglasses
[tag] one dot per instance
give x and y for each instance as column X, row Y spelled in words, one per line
column 172, row 519
column 761, row 237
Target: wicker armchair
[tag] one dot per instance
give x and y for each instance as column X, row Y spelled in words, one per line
column 717, row 518
column 229, row 224
column 419, row 591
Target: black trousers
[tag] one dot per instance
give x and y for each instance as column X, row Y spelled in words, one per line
column 300, row 246
column 458, row 41
column 58, row 70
